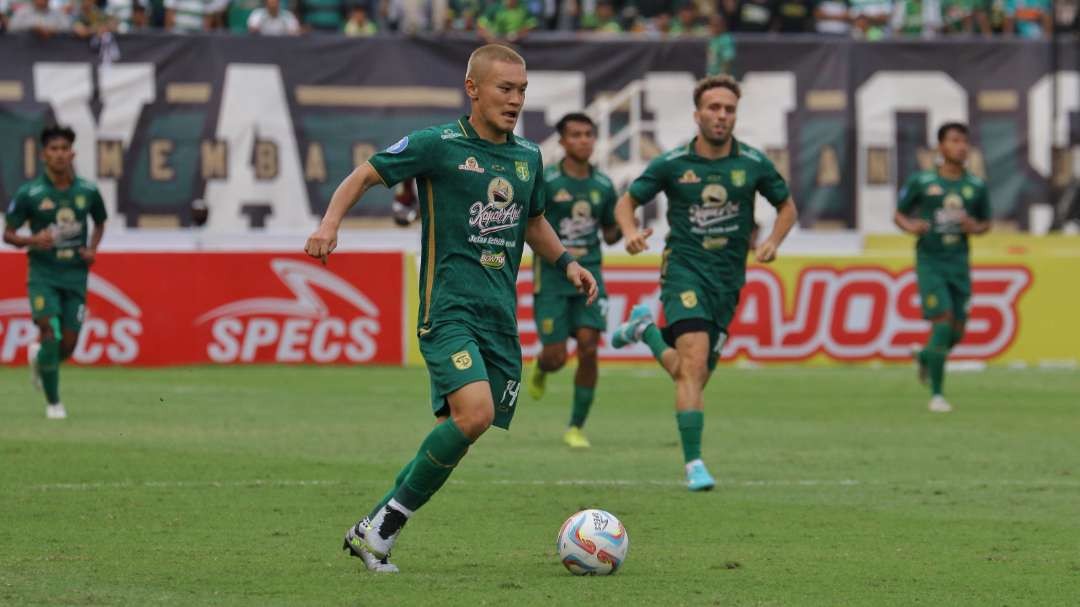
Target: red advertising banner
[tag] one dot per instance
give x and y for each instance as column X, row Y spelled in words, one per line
column 798, row 311
column 228, row 308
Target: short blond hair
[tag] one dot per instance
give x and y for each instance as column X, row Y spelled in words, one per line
column 484, row 56
column 723, row 81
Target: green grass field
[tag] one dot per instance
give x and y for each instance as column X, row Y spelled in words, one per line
column 233, row 486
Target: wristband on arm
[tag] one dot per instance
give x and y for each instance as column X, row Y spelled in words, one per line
column 564, row 261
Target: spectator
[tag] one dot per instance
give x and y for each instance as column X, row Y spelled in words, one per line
column 870, row 18
column 236, row 17
column 188, row 16
column 40, row 19
column 1065, row 15
column 721, row 51
column 687, row 21
column 3, row 15
column 123, row 13
column 958, row 16
column 794, row 16
column 273, row 21
column 1033, row 19
column 461, row 15
column 505, row 20
column 916, row 18
column 92, row 21
column 831, row 17
column 997, row 17
column 602, row 19
column 408, row 16
column 140, row 19
column 753, row 16
column 322, row 15
column 359, row 24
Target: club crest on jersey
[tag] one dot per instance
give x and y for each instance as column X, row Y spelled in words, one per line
column 521, row 169
column 934, row 190
column 462, row 360
column 493, row 260
column 547, row 326
column 738, row 178
column 471, row 165
column 594, row 196
column 689, row 299
column 80, row 202
column 399, row 147
column 562, row 196
column 46, row 205
column 689, row 177
column 967, row 191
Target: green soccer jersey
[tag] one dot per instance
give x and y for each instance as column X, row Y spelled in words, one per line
column 710, row 208
column 475, row 201
column 65, row 213
column 943, row 203
column 576, row 210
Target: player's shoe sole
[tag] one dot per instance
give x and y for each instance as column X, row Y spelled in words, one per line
column 627, row 333
column 355, row 545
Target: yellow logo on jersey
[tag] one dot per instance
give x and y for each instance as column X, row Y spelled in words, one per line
column 563, row 196
column 462, row 360
column 967, row 191
column 931, row 301
column 689, row 299
column 689, row 177
column 46, row 205
column 934, row 190
column 547, row 326
column 39, row 303
column 594, row 196
column 80, row 202
column 521, row 168
column 738, row 178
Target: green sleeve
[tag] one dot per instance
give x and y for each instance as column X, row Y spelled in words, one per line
column 97, row 207
column 982, row 204
column 909, row 195
column 771, row 185
column 650, row 183
column 607, row 216
column 539, row 190
column 18, row 210
column 405, row 159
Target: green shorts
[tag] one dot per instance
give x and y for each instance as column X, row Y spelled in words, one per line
column 560, row 316
column 457, row 355
column 701, row 309
column 49, row 301
column 944, row 288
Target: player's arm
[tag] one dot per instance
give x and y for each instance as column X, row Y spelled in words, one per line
column 978, row 222
column 634, row 239
column 612, row 234
column 545, row 243
column 786, row 217
column 609, row 227
column 18, row 213
column 324, row 240
column 906, row 203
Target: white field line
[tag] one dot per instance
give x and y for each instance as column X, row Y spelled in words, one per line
column 275, row 483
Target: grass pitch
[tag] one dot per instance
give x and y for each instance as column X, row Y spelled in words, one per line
column 233, row 486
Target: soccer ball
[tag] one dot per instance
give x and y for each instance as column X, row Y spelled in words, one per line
column 592, row 542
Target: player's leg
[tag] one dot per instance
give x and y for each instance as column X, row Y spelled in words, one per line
column 72, row 315
column 45, row 304
column 692, row 346
column 588, row 340
column 641, row 327
column 551, row 313
column 937, row 307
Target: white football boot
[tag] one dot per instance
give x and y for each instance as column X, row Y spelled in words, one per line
column 354, row 543
column 938, row 404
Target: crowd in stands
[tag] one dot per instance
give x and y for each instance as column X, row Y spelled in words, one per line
column 510, row 20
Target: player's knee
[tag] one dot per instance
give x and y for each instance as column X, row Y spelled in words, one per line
column 693, row 369
column 46, row 329
column 67, row 346
column 554, row 357
column 945, row 317
column 587, row 352
column 474, row 421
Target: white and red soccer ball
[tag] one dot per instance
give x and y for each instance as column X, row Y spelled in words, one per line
column 592, row 542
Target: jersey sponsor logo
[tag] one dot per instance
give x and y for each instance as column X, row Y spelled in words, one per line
column 46, row 205
column 451, row 134
column 471, row 165
column 689, row 177
column 579, row 226
column 521, row 169
column 462, row 360
column 399, row 147
column 714, row 208
column 300, row 328
column 714, row 242
column 738, row 178
column 499, row 213
column 68, row 231
column 933, row 190
column 493, row 260
column 562, row 196
column 689, row 299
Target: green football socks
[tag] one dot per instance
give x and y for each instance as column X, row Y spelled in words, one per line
column 48, row 362
column 438, row 455
column 655, row 340
column 390, row 494
column 935, row 353
column 690, row 424
column 583, row 399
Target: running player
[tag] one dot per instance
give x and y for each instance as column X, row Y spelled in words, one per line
column 482, row 198
column 710, row 185
column 942, row 207
column 56, row 204
column 580, row 201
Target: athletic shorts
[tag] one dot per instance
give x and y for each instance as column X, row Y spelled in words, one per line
column 49, row 301
column 457, row 355
column 944, row 288
column 560, row 316
column 689, row 307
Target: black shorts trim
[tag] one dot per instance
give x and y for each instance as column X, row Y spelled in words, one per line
column 684, row 326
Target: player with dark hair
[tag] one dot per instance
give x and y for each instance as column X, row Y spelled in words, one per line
column 482, row 198
column 57, row 205
column 580, row 203
column 711, row 184
column 943, row 206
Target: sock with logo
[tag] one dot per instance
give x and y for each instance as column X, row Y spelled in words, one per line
column 691, row 423
column 390, row 494
column 655, row 340
column 935, row 353
column 583, row 399
column 48, row 362
column 438, row 455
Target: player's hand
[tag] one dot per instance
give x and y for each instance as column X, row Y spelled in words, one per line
column 42, row 240
column 583, row 281
column 88, row 255
column 321, row 243
column 765, row 252
column 919, row 226
column 968, row 224
column 638, row 241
